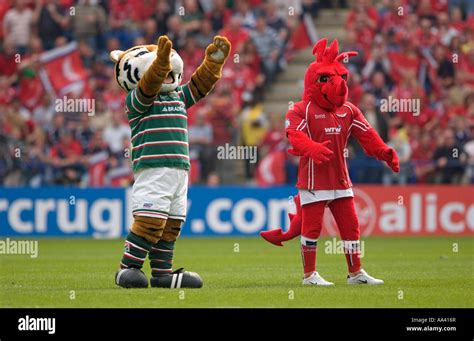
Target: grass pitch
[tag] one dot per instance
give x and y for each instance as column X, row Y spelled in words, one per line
column 244, row 272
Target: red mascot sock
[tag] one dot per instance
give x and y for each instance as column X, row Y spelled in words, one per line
column 277, row 236
column 344, row 213
column 311, row 229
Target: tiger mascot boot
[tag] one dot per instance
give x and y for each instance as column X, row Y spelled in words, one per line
column 156, row 106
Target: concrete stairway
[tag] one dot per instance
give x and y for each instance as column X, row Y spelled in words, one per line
column 289, row 84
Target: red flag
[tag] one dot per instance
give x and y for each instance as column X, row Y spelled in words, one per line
column 271, row 169
column 63, row 71
column 305, row 34
column 97, row 169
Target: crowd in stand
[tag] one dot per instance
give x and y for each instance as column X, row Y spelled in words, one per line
column 407, row 50
column 410, row 52
column 422, row 50
column 43, row 147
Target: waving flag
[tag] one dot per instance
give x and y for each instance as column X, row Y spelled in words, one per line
column 271, row 169
column 63, row 72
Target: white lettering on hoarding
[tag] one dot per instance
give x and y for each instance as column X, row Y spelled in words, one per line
column 470, row 217
column 392, row 217
column 110, row 227
column 431, row 214
column 423, row 214
column 416, row 212
column 277, row 207
column 79, row 224
column 213, row 213
column 42, row 208
column 14, row 216
column 257, row 222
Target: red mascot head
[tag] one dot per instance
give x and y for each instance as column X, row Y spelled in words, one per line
column 325, row 80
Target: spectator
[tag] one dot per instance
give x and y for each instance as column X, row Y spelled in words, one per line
column 422, row 156
column 66, row 158
column 220, row 15
column 9, row 61
column 162, row 13
column 400, row 143
column 192, row 16
column 176, row 32
column 268, row 47
column 17, row 26
column 246, row 15
column 200, row 141
column 149, row 30
column 89, row 22
column 450, row 159
column 116, row 132
column 205, row 35
column 378, row 87
column 50, row 22
column 192, row 56
column 235, row 33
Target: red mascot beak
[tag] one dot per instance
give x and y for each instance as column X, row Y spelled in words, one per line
column 335, row 91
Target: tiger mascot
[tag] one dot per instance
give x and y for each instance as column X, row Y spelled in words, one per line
column 156, row 106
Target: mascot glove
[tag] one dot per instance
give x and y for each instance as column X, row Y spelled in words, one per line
column 218, row 51
column 303, row 146
column 389, row 155
column 163, row 54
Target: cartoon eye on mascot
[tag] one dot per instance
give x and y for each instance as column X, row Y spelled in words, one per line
column 156, row 105
column 318, row 128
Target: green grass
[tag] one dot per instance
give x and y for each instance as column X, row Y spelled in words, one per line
column 425, row 271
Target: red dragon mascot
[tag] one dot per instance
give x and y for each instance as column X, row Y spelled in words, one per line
column 318, row 128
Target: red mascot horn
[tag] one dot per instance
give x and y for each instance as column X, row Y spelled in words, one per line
column 330, row 55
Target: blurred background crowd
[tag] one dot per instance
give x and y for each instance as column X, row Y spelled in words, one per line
column 426, row 53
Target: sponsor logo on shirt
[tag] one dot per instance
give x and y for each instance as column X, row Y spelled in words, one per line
column 333, row 130
column 320, row 116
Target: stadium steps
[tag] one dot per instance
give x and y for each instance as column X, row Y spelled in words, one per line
column 289, row 84
column 330, row 24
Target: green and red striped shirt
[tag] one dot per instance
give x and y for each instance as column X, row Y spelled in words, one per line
column 160, row 129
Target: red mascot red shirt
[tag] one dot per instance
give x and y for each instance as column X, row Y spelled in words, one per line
column 321, row 125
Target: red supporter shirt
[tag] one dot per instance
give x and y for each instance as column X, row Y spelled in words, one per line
column 62, row 150
column 321, row 125
column 236, row 38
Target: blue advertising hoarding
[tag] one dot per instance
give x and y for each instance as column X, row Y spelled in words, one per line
column 106, row 213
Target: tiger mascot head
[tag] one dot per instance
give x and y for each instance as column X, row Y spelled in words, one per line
column 130, row 65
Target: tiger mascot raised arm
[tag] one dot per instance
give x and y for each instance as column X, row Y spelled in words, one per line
column 156, row 106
